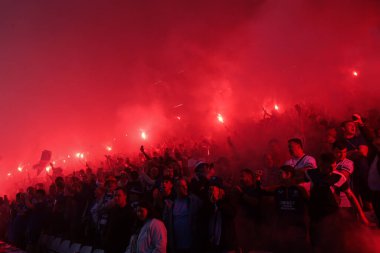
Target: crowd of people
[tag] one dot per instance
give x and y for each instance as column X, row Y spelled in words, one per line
column 174, row 201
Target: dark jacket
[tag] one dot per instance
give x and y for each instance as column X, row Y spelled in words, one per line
column 194, row 204
column 227, row 211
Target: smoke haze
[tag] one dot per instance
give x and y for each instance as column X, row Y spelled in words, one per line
column 77, row 76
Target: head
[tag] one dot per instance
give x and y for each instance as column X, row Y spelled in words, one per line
column 340, row 150
column 31, row 191
column 181, row 188
column 247, row 177
column 202, row 170
column 349, row 128
column 167, row 186
column 215, row 189
column 121, row 197
column 40, row 195
column 327, row 163
column 154, row 172
column 144, row 211
column 295, row 147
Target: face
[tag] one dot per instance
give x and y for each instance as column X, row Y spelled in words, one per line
column 340, row 154
column 294, row 149
column 120, row 198
column 214, row 193
column 142, row 213
column 182, row 188
column 350, row 128
column 167, row 186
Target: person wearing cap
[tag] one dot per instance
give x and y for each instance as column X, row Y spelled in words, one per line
column 150, row 235
column 221, row 223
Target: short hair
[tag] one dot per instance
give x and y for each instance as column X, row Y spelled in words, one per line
column 339, row 144
column 296, row 140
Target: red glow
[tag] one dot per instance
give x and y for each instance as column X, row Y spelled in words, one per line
column 143, row 135
column 220, row 118
column 178, row 117
column 109, row 148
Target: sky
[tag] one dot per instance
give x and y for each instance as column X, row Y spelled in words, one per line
column 78, row 76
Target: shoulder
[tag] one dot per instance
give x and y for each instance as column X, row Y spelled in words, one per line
column 156, row 224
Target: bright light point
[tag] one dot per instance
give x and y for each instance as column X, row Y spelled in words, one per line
column 64, row 161
column 77, row 155
column 143, row 135
column 81, row 155
column 9, row 174
column 276, row 107
column 47, row 168
column 220, row 118
column 19, row 168
column 178, row 117
column 108, row 148
column 355, row 73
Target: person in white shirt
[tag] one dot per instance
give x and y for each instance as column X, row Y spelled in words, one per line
column 300, row 162
column 151, row 235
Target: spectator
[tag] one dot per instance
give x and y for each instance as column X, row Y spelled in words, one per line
column 222, row 213
column 291, row 227
column 120, row 222
column 181, row 218
column 150, row 235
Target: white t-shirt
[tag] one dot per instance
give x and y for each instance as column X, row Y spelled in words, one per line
column 348, row 166
column 305, row 161
column 345, row 165
column 302, row 162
